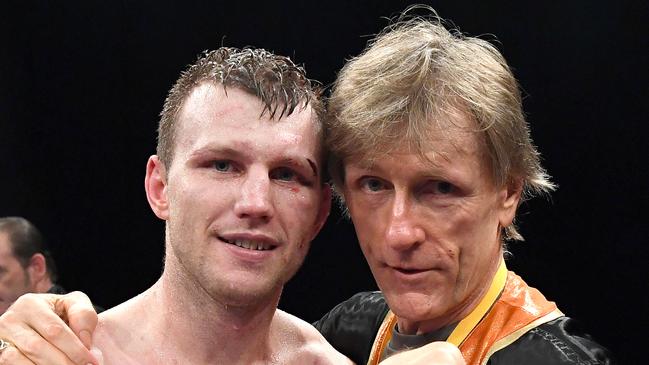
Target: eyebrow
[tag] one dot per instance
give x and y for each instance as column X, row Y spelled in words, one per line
column 220, row 150
column 236, row 153
column 296, row 162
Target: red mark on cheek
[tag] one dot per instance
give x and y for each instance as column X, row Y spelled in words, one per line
column 295, row 190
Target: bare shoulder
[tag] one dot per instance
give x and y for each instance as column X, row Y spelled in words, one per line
column 117, row 337
column 300, row 343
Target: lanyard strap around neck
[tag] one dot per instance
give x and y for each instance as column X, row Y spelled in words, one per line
column 464, row 328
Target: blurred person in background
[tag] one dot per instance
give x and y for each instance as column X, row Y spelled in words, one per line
column 26, row 265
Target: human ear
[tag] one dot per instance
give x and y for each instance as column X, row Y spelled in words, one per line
column 155, row 184
column 37, row 267
column 511, row 197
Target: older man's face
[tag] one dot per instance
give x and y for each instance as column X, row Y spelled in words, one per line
column 430, row 229
column 14, row 278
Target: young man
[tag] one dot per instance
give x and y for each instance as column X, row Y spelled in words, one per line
column 238, row 180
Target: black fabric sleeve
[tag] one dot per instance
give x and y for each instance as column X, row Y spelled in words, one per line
column 557, row 342
column 351, row 326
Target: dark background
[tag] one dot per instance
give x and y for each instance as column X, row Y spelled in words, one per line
column 82, row 83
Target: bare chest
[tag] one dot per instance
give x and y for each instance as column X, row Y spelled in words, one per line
column 119, row 356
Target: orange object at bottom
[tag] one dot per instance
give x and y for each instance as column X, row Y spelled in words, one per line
column 518, row 309
column 509, row 309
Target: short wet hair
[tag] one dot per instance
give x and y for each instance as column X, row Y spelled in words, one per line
column 279, row 83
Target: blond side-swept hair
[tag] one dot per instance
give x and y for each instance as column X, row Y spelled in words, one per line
column 408, row 82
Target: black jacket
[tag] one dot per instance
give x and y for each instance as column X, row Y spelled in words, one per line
column 352, row 325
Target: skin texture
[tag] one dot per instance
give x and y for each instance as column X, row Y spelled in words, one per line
column 430, row 228
column 36, row 314
column 34, row 324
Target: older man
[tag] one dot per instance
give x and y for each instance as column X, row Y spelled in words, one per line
column 431, row 154
column 26, row 265
column 238, row 180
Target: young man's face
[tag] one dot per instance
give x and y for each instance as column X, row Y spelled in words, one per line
column 244, row 194
column 430, row 229
column 14, row 278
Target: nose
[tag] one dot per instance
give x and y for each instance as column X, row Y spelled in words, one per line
column 254, row 201
column 403, row 232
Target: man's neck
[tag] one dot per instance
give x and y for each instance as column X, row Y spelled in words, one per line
column 43, row 285
column 459, row 313
column 175, row 320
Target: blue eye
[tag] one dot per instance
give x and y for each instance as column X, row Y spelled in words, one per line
column 222, row 166
column 439, row 188
column 284, row 174
column 372, row 184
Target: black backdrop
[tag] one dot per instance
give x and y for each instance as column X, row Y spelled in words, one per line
column 81, row 84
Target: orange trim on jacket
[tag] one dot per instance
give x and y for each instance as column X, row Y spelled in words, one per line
column 496, row 322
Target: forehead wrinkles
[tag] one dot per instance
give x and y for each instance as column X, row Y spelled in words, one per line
column 212, row 116
column 446, row 139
